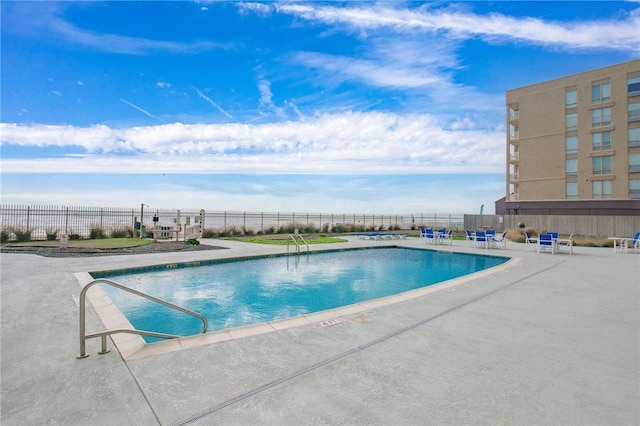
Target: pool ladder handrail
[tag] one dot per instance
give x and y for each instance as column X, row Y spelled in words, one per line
column 103, row 334
column 293, row 238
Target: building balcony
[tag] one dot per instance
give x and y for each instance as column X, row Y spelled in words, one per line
column 514, row 115
column 514, row 136
column 514, row 177
column 514, row 156
column 513, row 197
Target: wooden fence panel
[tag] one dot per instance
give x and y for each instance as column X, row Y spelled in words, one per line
column 596, row 226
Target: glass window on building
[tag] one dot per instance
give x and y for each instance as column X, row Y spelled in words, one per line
column 601, row 189
column 634, row 163
column 634, row 188
column 601, row 140
column 572, row 190
column 572, row 167
column 572, row 144
column 602, row 165
column 634, row 111
column 572, row 121
column 600, row 117
column 601, row 93
column 634, row 137
column 633, row 86
column 571, row 98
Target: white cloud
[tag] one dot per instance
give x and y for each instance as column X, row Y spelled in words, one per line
column 163, row 84
column 349, row 143
column 619, row 34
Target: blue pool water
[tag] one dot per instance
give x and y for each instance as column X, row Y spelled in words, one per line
column 244, row 292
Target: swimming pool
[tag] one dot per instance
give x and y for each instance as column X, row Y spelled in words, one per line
column 251, row 291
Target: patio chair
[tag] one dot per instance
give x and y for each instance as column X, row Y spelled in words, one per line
column 481, row 239
column 499, row 240
column 547, row 242
column 529, row 241
column 566, row 243
column 423, row 232
column 445, row 237
column 635, row 243
column 470, row 237
column 430, row 236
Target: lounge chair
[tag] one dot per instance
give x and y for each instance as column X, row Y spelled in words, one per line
column 499, row 240
column 547, row 242
column 633, row 243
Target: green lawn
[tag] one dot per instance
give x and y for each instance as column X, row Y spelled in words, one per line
column 106, row 243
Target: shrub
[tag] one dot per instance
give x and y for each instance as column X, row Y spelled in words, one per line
column 96, row 233
column 119, row 233
column 209, row 233
column 74, row 235
column 193, row 241
column 22, row 235
column 52, row 234
column 4, row 235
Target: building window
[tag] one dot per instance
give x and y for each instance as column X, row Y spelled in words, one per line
column 572, row 144
column 600, row 117
column 572, row 190
column 633, row 86
column 634, row 188
column 601, row 93
column 602, row 165
column 634, row 111
column 601, row 189
column 571, row 98
column 634, row 163
column 601, row 140
column 634, row 137
column 572, row 121
column 572, row 167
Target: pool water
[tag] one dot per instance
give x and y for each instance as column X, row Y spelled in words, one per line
column 245, row 292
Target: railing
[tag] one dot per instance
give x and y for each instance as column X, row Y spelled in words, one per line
column 293, row 238
column 514, row 156
column 44, row 222
column 103, row 334
column 514, row 135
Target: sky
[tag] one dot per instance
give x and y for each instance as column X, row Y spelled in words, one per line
column 388, row 107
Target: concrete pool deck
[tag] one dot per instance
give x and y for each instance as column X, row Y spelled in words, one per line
column 551, row 339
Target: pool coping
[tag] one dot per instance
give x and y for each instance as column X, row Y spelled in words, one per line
column 133, row 346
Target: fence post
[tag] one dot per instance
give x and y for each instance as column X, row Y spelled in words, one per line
column 262, row 222
column 202, row 216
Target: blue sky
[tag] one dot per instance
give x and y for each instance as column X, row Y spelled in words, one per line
column 364, row 107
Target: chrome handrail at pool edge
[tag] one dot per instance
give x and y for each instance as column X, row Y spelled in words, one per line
column 293, row 237
column 104, row 334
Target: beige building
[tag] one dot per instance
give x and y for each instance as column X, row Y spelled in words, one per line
column 573, row 144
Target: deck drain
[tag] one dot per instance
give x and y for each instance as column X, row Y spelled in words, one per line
column 331, row 322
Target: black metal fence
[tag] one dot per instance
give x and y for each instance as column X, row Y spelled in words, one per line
column 41, row 221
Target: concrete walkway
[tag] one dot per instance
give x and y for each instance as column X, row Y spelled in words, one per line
column 552, row 339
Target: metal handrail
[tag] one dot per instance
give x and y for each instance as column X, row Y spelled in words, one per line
column 293, row 237
column 103, row 334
